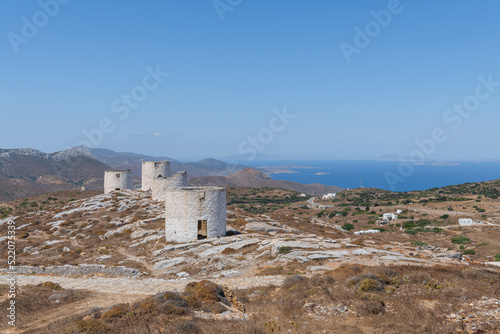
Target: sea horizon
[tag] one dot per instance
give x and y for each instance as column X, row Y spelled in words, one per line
column 349, row 174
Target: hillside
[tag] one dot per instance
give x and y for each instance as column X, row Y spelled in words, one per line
column 133, row 161
column 250, row 177
column 28, row 172
column 95, row 263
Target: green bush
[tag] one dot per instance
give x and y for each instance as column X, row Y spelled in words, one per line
column 419, row 243
column 368, row 284
column 348, row 226
column 410, row 231
column 414, row 231
column 469, row 252
column 408, row 224
column 497, row 257
column 461, row 239
column 423, row 222
column 284, row 250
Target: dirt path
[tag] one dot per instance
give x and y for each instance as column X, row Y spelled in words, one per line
column 311, row 201
column 147, row 286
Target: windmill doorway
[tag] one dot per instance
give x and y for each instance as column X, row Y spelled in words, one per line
column 202, row 229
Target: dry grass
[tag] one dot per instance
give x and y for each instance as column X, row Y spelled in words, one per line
column 410, row 307
column 396, row 310
column 167, row 312
column 290, row 268
column 33, row 301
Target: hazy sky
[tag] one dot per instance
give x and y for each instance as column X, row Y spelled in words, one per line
column 355, row 83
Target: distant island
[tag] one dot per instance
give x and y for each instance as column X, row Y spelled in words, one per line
column 322, row 173
column 282, row 169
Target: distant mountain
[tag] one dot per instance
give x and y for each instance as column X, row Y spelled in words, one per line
column 250, row 177
column 28, row 172
column 126, row 160
column 207, row 167
column 57, row 156
column 133, row 161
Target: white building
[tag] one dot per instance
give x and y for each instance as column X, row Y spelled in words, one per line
column 367, row 232
column 303, row 195
column 193, row 213
column 466, row 221
column 161, row 184
column 117, row 180
column 329, row 196
column 152, row 170
column 157, row 176
column 390, row 216
column 399, row 211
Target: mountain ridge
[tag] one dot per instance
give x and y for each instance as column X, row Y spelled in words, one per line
column 27, row 171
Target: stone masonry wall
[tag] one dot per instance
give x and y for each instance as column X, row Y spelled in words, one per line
column 184, row 207
column 117, row 179
column 152, row 170
column 160, row 185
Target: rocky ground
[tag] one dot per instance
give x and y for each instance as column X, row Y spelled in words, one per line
column 128, row 227
column 114, row 244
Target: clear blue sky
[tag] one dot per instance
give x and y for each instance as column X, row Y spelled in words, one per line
column 226, row 76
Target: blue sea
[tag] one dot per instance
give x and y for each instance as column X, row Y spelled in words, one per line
column 387, row 175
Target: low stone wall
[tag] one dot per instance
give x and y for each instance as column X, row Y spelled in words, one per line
column 82, row 269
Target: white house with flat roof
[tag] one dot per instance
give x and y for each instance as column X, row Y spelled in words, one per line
column 329, row 196
column 466, row 221
column 390, row 216
column 367, row 232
